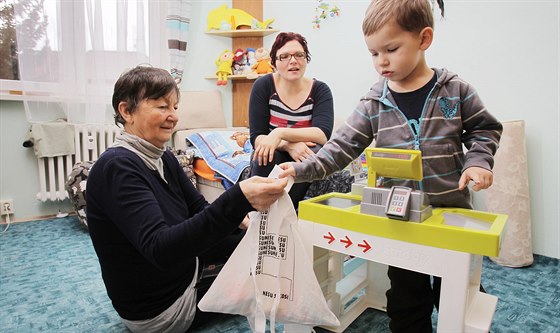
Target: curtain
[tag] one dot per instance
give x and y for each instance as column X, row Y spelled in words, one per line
column 510, row 195
column 72, row 52
column 178, row 22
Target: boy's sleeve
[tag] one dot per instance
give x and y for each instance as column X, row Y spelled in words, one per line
column 349, row 141
column 481, row 132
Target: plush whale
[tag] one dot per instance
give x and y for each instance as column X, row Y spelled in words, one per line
column 236, row 17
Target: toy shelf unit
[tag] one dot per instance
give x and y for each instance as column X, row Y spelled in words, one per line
column 243, row 32
column 242, row 38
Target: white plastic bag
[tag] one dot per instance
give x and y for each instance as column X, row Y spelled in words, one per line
column 269, row 275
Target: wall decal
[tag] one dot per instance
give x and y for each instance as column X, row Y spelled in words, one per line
column 323, row 11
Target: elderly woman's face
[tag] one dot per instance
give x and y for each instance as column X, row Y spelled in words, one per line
column 154, row 119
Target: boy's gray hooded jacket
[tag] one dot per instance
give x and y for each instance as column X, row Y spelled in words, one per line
column 453, row 116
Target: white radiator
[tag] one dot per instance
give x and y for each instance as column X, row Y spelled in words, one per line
column 90, row 141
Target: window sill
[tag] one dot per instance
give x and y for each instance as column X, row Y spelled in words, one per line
column 9, row 96
column 22, row 96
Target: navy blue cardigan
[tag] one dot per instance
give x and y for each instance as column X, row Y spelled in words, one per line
column 147, row 233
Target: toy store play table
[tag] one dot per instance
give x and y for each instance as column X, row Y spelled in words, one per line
column 449, row 244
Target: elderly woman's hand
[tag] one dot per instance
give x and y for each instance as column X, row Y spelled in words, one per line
column 262, row 192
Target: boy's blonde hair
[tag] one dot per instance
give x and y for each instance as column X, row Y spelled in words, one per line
column 410, row 15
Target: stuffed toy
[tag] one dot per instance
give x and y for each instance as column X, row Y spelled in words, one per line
column 235, row 18
column 242, row 140
column 239, row 61
column 224, row 63
column 251, row 60
column 263, row 65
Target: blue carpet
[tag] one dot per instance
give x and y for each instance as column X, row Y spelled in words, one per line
column 50, row 281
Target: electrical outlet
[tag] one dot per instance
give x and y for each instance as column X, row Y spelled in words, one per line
column 6, row 207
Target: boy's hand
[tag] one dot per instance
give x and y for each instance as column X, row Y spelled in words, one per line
column 262, row 192
column 481, row 177
column 287, row 170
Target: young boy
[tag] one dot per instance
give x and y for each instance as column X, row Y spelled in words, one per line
column 413, row 107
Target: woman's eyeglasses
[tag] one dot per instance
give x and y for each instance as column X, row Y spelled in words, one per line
column 288, row 56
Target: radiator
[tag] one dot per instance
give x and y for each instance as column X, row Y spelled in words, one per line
column 90, row 142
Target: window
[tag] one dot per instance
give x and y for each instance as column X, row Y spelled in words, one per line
column 71, row 52
column 8, row 45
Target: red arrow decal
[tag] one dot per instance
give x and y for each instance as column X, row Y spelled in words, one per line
column 347, row 241
column 366, row 246
column 330, row 237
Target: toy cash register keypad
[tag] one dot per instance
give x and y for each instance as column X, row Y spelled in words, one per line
column 397, row 201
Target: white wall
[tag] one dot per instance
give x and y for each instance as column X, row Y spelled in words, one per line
column 202, row 52
column 19, row 179
column 508, row 49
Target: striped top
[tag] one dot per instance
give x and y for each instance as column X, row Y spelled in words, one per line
column 267, row 111
column 282, row 116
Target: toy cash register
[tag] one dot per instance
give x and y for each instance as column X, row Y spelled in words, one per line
column 397, row 202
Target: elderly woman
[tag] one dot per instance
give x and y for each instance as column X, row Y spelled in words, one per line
column 150, row 228
column 290, row 115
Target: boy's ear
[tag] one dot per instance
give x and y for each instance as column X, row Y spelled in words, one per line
column 426, row 38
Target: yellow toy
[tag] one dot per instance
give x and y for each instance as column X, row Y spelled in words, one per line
column 224, row 63
column 235, row 18
column 263, row 65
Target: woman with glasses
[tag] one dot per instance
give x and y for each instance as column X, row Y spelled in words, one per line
column 290, row 115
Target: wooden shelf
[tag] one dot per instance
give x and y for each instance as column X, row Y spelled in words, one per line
column 241, row 85
column 235, row 77
column 243, row 32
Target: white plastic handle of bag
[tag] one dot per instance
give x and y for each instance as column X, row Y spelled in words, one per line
column 275, row 173
column 260, row 314
column 260, row 317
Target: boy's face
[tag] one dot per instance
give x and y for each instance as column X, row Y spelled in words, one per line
column 397, row 54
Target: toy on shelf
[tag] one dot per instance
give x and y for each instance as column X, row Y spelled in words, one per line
column 263, row 65
column 224, row 18
column 239, row 61
column 251, row 60
column 224, row 63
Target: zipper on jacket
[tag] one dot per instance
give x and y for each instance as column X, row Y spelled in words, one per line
column 383, row 99
column 417, row 138
column 416, row 134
